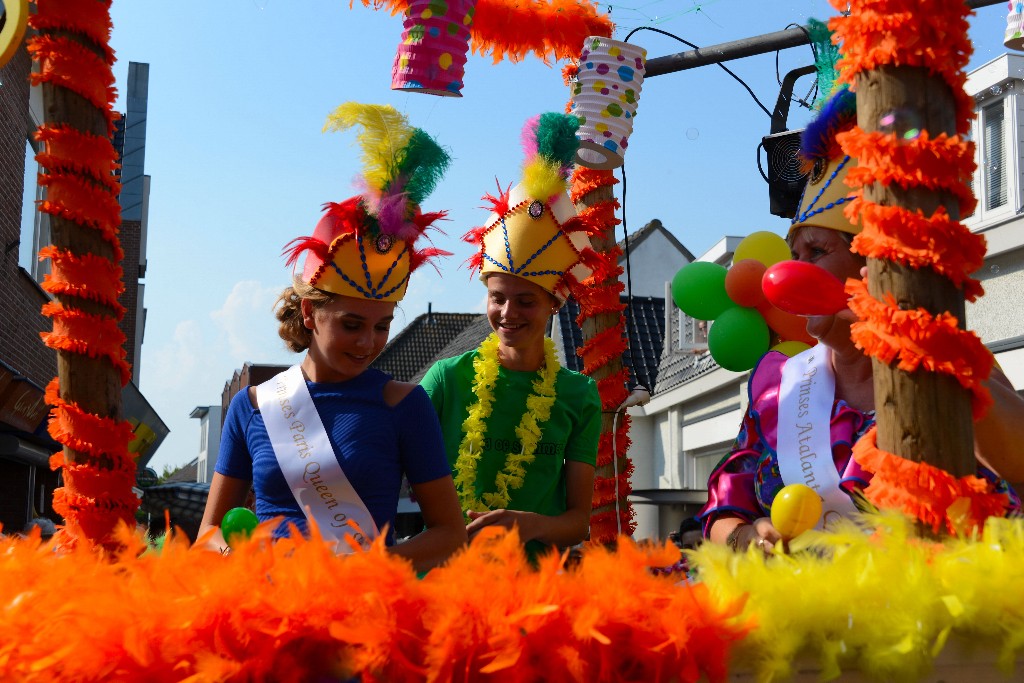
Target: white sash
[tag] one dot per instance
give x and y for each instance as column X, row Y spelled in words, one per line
column 309, row 463
column 805, row 443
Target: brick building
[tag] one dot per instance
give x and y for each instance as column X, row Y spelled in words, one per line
column 26, row 365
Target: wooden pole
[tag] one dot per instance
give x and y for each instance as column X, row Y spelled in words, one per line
column 81, row 200
column 922, row 416
column 611, row 515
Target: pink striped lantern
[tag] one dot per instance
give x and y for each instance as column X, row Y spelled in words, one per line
column 431, row 58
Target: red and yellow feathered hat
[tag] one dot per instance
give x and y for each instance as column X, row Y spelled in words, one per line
column 534, row 232
column 363, row 247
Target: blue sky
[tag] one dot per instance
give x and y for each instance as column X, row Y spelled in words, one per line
column 238, row 94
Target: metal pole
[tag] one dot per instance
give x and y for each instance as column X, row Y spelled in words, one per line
column 746, row 47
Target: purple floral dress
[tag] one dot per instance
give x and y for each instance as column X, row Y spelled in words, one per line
column 747, row 479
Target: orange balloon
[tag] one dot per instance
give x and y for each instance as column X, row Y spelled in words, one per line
column 789, row 327
column 743, row 282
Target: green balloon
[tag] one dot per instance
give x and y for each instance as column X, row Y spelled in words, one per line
column 238, row 522
column 699, row 290
column 738, row 338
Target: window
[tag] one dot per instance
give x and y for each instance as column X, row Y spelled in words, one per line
column 993, row 148
column 35, row 226
column 693, row 334
column 994, row 182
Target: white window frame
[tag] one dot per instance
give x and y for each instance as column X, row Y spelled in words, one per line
column 984, row 216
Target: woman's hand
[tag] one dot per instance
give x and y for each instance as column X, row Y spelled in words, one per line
column 762, row 533
column 740, row 535
column 525, row 522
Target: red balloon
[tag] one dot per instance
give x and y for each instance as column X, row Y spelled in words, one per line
column 803, row 288
column 789, row 327
column 743, row 282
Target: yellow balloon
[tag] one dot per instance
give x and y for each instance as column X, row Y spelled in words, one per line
column 12, row 31
column 796, row 509
column 766, row 247
column 791, row 348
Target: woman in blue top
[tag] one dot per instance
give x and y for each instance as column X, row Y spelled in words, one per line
column 357, row 268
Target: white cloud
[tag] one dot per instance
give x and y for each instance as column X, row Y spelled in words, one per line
column 246, row 321
column 191, row 366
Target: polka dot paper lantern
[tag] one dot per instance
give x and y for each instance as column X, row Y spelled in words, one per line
column 1014, row 39
column 431, row 58
column 605, row 98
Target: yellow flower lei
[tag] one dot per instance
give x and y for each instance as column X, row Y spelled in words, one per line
column 538, row 411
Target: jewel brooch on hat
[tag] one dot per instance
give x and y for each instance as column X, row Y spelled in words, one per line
column 363, row 247
column 533, row 232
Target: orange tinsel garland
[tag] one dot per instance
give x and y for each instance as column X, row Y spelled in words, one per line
column 941, row 164
column 602, row 347
column 586, row 180
column 608, row 489
column 90, row 479
column 596, row 300
column 91, row 19
column 920, row 340
column 880, row 33
column 89, row 277
column 924, row 492
column 69, row 64
column 604, row 526
column 82, row 201
column 68, row 149
column 897, row 234
column 81, row 431
column 613, row 389
column 90, row 335
column 621, row 438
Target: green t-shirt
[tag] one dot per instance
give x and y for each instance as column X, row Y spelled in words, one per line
column 572, row 433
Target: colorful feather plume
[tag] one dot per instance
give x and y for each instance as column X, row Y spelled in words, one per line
column 549, row 148
column 401, row 165
column 819, row 138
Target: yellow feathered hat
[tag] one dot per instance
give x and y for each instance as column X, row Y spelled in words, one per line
column 533, row 232
column 826, row 192
column 364, row 247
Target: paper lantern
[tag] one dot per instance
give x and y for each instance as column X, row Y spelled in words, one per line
column 1014, row 39
column 605, row 98
column 431, row 58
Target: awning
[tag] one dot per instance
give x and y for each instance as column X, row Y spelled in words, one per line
column 186, row 500
column 26, row 450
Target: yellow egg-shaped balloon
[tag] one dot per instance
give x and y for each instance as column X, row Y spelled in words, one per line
column 791, row 348
column 764, row 246
column 796, row 509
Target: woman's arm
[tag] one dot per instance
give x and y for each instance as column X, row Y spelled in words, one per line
column 998, row 435
column 564, row 530
column 445, row 532
column 225, row 493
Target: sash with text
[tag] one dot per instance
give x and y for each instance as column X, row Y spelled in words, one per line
column 805, row 446
column 309, row 463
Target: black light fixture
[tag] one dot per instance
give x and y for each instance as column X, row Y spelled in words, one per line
column 785, row 179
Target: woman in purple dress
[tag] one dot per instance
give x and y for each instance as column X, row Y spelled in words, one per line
column 744, row 484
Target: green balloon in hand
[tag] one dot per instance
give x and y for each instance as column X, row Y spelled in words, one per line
column 238, row 523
